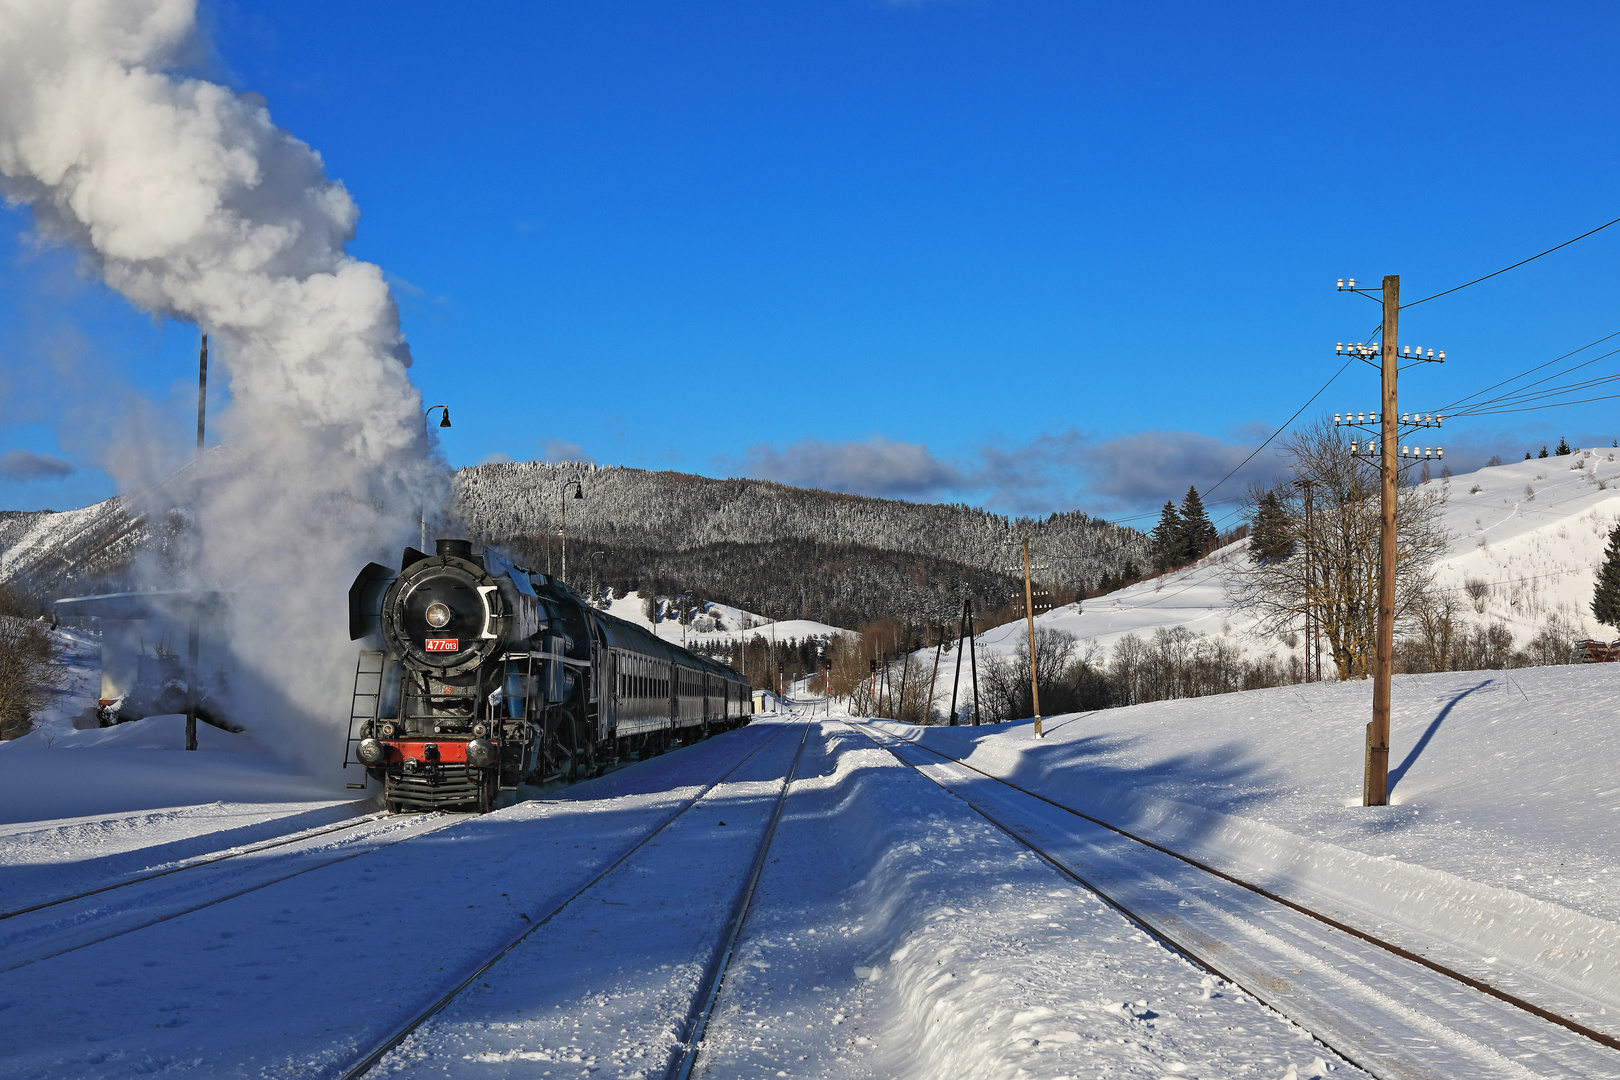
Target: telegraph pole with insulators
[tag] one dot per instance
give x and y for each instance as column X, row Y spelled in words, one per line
column 1388, row 452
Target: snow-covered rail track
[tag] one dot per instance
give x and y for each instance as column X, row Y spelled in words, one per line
column 182, row 865
column 1383, row 1007
column 49, row 929
column 457, row 1026
column 715, row 971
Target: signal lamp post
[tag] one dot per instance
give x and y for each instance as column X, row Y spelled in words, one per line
column 444, row 422
column 562, row 528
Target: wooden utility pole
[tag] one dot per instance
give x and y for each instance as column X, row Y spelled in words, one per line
column 905, row 673
column 1029, row 613
column 192, row 678
column 956, row 681
column 1376, row 785
column 1310, row 593
column 928, row 707
column 973, row 653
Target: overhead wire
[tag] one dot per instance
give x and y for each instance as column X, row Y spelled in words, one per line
column 1528, row 371
column 1282, row 429
column 1515, row 266
column 1553, row 405
column 1525, row 390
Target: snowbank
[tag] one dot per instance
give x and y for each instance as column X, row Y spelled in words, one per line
column 1498, row 853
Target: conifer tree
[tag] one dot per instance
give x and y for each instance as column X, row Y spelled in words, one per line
column 1168, row 538
column 1606, row 597
column 1198, row 533
column 1543, row 452
column 1563, row 448
column 1271, row 534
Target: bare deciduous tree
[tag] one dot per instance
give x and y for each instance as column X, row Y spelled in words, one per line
column 1333, row 571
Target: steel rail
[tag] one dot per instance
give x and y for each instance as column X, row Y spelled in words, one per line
column 404, row 1030
column 697, row 1020
column 220, row 898
column 283, row 841
column 1406, row 954
column 230, row 853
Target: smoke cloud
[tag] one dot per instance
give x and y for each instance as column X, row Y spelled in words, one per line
column 184, row 197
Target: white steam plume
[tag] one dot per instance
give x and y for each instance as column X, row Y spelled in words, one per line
column 190, row 202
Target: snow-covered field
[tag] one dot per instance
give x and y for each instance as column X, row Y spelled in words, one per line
column 893, row 934
column 895, row 931
column 245, row 920
column 1534, row 531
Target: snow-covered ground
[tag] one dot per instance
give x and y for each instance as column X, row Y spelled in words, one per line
column 1534, row 531
column 60, row 773
column 893, row 934
column 895, row 931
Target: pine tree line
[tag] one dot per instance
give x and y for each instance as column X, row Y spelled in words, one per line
column 1182, row 535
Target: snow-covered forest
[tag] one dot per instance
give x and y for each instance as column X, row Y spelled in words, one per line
column 782, row 551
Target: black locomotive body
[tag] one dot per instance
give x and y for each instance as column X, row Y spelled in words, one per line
column 478, row 675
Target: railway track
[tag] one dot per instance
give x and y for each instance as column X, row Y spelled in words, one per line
column 201, row 860
column 51, row 928
column 686, row 1055
column 48, row 928
column 689, row 1037
column 1383, row 1007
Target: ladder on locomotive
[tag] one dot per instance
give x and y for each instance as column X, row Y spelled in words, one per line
column 364, row 704
column 517, row 672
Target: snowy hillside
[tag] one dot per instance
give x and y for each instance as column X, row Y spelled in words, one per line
column 784, row 551
column 723, row 624
column 1533, row 532
column 678, row 511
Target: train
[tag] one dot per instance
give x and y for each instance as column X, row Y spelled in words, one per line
column 476, row 675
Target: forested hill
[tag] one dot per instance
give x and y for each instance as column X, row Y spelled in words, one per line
column 782, row 551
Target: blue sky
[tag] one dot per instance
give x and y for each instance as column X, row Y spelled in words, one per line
column 1035, row 255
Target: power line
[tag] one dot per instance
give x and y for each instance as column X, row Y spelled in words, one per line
column 1522, row 374
column 1515, row 266
column 1553, row 405
column 1282, row 429
column 1525, row 393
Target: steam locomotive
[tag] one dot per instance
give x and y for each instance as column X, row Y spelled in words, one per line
column 476, row 675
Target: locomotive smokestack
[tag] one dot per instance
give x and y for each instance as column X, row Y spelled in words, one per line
column 455, row 549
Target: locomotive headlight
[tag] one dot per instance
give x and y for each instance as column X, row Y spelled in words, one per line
column 370, row 752
column 480, row 752
column 437, row 615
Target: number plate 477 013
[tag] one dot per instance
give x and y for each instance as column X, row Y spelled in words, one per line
column 443, row 644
